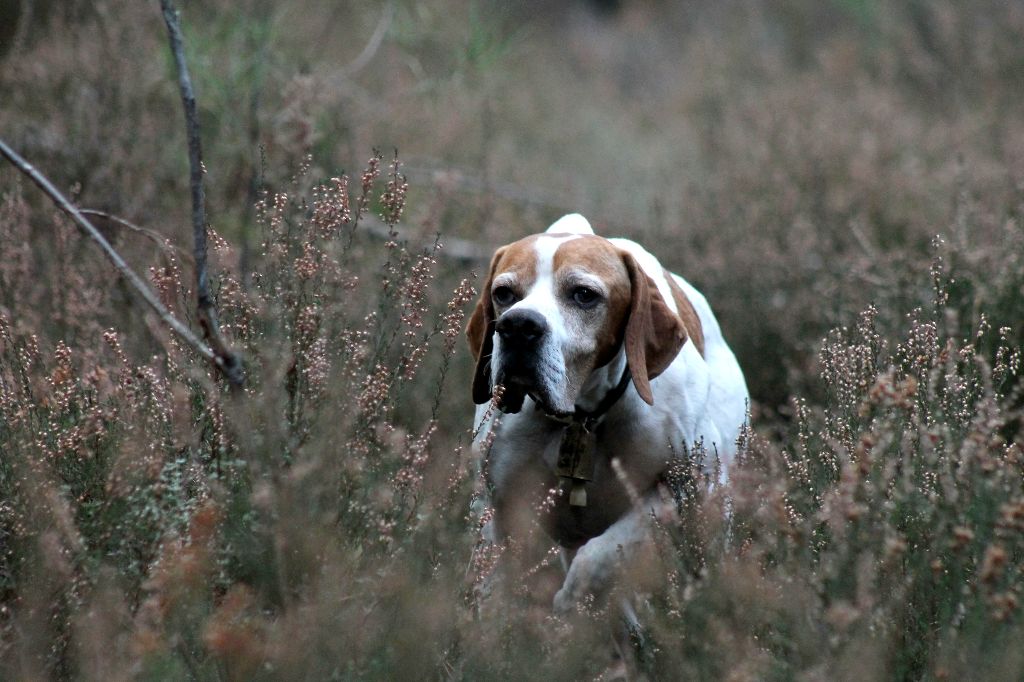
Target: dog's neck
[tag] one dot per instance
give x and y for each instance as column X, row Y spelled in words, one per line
column 600, row 382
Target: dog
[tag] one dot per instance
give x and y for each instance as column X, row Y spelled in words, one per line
column 609, row 366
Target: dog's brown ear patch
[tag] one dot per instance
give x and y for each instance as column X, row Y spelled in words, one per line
column 687, row 313
column 654, row 334
column 480, row 335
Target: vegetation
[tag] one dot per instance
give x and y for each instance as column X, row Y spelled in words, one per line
column 844, row 180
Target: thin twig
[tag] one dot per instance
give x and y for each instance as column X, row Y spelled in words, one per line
column 24, row 23
column 154, row 236
column 230, row 361
column 366, row 56
column 183, row 332
column 258, row 49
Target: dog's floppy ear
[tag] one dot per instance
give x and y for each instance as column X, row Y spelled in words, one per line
column 654, row 334
column 480, row 334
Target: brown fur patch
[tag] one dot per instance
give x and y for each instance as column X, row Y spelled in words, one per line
column 654, row 334
column 600, row 258
column 686, row 312
column 520, row 258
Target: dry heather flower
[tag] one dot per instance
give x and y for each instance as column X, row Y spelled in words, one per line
column 234, row 633
column 849, row 363
column 485, row 556
column 167, row 281
column 239, row 310
column 895, row 547
column 331, row 211
column 496, row 396
column 452, row 320
column 317, row 368
column 920, row 352
column 993, row 564
column 375, row 390
column 62, row 378
column 620, row 474
column 221, row 246
column 940, row 280
column 1008, row 361
column 355, row 343
column 274, row 213
column 307, row 326
column 547, row 503
column 393, row 198
column 1011, row 517
column 308, row 264
column 414, row 292
column 842, row 615
column 414, row 307
column 410, row 477
column 1004, row 604
column 366, row 183
column 182, row 569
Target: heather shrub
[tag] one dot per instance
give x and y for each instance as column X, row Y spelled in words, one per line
column 143, row 482
column 842, row 179
column 314, row 525
column 886, row 531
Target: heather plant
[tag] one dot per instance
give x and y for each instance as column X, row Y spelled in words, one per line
column 796, row 162
column 311, row 526
column 154, row 471
column 880, row 539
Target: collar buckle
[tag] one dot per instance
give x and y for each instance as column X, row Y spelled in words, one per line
column 579, row 442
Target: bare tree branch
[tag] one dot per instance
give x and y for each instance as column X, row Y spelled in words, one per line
column 183, row 332
column 230, row 361
column 162, row 242
column 364, row 58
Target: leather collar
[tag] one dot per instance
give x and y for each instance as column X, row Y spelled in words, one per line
column 590, row 418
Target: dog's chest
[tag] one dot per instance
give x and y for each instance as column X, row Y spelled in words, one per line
column 523, row 470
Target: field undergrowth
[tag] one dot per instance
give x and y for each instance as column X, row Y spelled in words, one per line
column 843, row 180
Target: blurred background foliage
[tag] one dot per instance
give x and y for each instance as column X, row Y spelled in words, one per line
column 795, row 160
column 833, row 139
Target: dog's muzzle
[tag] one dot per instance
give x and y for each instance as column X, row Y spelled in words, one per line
column 522, row 334
column 522, row 330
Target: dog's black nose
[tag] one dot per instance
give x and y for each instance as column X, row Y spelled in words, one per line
column 522, row 327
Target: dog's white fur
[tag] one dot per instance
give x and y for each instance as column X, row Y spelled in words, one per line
column 697, row 398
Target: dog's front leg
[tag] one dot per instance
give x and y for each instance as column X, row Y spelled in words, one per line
column 625, row 544
column 507, row 563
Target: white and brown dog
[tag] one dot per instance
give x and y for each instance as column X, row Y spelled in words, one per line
column 566, row 322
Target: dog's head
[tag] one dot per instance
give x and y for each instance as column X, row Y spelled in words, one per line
column 555, row 306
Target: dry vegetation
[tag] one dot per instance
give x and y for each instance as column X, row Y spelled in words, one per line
column 843, row 179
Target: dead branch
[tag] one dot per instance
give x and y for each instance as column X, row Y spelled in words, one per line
column 230, row 362
column 183, row 332
column 366, row 56
column 162, row 242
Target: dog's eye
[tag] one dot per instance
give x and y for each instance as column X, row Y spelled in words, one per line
column 504, row 296
column 585, row 297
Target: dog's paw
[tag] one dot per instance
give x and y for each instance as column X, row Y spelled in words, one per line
column 565, row 603
column 588, row 579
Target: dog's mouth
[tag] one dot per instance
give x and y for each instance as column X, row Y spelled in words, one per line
column 512, row 398
column 550, row 411
column 517, row 388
